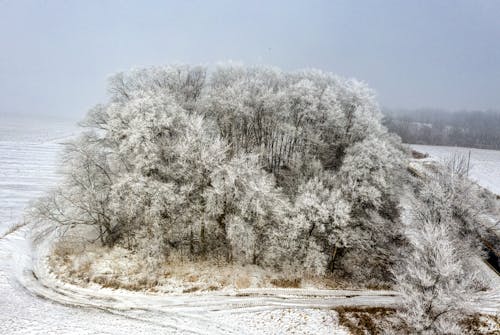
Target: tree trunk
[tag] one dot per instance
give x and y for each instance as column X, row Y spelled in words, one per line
column 332, row 262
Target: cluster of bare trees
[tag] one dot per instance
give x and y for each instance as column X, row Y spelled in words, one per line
column 247, row 164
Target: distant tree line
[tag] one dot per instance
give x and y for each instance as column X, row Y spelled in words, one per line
column 476, row 129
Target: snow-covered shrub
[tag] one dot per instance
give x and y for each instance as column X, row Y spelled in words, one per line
column 436, row 284
column 450, row 198
column 434, row 272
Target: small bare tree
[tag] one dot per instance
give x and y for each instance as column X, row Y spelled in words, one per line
column 458, row 164
column 84, row 196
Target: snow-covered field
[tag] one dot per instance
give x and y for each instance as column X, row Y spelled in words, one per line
column 485, row 164
column 32, row 305
column 28, row 162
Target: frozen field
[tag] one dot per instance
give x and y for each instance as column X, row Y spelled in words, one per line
column 28, row 162
column 485, row 164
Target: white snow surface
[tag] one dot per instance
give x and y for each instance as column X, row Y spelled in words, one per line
column 484, row 164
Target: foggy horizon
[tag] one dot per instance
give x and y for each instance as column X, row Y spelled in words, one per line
column 57, row 55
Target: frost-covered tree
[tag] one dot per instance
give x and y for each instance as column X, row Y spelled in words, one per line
column 289, row 117
column 433, row 275
column 182, row 82
column 84, row 195
column 322, row 216
column 448, row 196
column 250, row 211
column 443, row 232
column 369, row 179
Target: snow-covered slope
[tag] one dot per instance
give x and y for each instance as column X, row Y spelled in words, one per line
column 485, row 170
column 485, row 164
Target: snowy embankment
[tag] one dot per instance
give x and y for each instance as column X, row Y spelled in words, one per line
column 485, row 170
column 484, row 164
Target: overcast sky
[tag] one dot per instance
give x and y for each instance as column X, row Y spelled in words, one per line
column 55, row 56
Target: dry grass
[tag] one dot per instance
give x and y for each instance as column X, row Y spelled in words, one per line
column 242, row 281
column 118, row 268
column 191, row 289
column 337, row 282
column 378, row 320
column 285, row 282
column 481, row 324
column 368, row 320
column 379, row 286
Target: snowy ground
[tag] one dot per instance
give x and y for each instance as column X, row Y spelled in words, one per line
column 485, row 164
